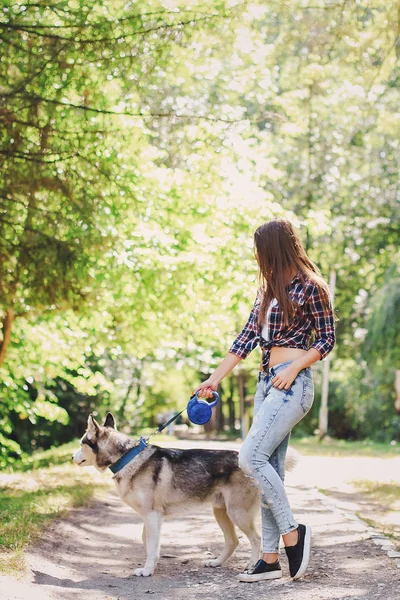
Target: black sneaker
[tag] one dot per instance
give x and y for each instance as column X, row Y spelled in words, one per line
column 262, row 570
column 299, row 555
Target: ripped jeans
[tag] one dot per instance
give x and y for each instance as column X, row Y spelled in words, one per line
column 262, row 454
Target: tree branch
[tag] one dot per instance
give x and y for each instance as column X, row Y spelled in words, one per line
column 171, row 26
column 33, row 157
column 128, row 114
column 7, row 328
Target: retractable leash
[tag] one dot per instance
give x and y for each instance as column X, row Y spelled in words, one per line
column 160, row 428
column 199, row 412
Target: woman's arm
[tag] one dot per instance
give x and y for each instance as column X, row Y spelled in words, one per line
column 323, row 321
column 230, row 361
column 306, row 360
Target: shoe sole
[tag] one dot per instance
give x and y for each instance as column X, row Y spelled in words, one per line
column 260, row 577
column 306, row 554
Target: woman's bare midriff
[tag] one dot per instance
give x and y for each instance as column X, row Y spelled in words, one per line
column 280, row 354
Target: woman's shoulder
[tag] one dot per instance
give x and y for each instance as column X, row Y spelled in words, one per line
column 315, row 286
column 309, row 282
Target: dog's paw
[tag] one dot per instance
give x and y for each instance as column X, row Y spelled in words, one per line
column 143, row 572
column 215, row 562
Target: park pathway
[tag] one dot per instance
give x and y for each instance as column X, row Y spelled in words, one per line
column 91, row 556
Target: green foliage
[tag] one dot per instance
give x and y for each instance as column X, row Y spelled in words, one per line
column 311, row 446
column 362, row 402
column 10, row 451
column 141, row 145
column 47, row 458
column 30, row 501
column 382, row 342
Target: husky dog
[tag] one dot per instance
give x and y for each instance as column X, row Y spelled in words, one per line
column 159, row 482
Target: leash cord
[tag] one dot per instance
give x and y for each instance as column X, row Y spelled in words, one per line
column 164, row 425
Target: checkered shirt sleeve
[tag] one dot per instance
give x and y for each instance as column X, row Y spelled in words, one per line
column 249, row 337
column 322, row 319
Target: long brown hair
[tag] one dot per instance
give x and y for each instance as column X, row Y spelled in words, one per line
column 279, row 252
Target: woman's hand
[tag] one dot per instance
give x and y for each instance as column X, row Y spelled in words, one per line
column 284, row 379
column 207, row 388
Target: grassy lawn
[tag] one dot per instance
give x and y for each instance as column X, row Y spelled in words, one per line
column 383, row 512
column 385, row 493
column 46, row 458
column 30, row 500
column 310, row 446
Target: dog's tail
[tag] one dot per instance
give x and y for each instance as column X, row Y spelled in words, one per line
column 292, row 458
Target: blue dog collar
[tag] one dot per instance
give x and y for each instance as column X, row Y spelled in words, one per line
column 128, row 456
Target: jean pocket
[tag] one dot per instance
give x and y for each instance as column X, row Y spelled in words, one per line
column 307, row 396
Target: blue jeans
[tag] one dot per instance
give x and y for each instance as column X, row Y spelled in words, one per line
column 262, row 454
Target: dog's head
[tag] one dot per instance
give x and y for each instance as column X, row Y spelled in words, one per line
column 101, row 445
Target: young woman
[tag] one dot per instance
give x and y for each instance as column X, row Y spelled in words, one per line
column 292, row 302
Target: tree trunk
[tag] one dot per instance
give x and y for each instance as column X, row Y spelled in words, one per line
column 121, row 410
column 323, row 413
column 397, row 388
column 7, row 328
column 231, row 405
column 9, row 313
column 219, row 415
column 135, row 379
column 211, row 426
column 242, row 396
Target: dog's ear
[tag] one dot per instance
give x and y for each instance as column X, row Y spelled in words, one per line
column 92, row 427
column 109, row 421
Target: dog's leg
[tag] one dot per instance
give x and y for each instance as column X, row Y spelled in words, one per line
column 230, row 536
column 245, row 521
column 152, row 526
column 144, row 537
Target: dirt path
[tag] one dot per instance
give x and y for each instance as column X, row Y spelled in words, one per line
column 91, row 555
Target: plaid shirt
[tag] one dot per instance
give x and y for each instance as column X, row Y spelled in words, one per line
column 313, row 316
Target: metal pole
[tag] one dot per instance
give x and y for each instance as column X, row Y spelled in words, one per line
column 242, row 408
column 323, row 413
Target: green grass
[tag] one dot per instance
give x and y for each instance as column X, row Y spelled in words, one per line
column 389, row 531
column 23, row 513
column 385, row 493
column 29, row 501
column 311, row 446
column 379, row 507
column 46, row 458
